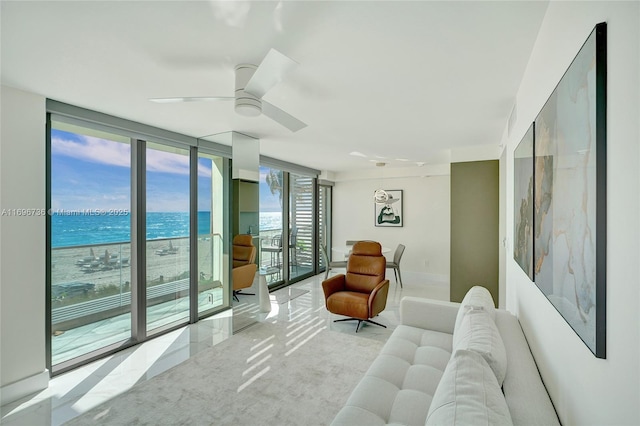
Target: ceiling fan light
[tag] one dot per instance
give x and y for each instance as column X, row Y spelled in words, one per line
column 248, row 107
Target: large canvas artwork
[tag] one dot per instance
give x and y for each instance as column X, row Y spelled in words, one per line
column 523, row 199
column 570, row 194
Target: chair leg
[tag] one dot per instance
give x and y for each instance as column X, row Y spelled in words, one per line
column 359, row 322
column 395, row 274
column 326, row 272
column 350, row 319
column 399, row 277
column 373, row 322
column 238, row 292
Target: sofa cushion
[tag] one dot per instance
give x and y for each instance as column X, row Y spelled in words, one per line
column 468, row 394
column 477, row 297
column 400, row 383
column 477, row 332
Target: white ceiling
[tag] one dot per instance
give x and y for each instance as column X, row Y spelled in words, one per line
column 391, row 80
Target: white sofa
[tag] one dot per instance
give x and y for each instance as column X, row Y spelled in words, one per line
column 450, row 363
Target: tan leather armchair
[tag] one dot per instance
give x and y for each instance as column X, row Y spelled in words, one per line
column 362, row 293
column 244, row 268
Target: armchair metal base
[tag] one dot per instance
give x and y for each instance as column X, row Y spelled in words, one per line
column 359, row 322
column 236, row 292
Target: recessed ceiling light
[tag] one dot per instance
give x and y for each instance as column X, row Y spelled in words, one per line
column 401, row 159
column 420, row 163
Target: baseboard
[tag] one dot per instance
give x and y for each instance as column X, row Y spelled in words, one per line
column 16, row 390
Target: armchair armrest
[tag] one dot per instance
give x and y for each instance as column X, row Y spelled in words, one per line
column 333, row 284
column 429, row 314
column 378, row 298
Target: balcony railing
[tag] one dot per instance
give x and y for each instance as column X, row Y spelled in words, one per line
column 93, row 282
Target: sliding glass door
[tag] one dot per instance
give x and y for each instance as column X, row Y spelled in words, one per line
column 90, row 241
column 136, row 239
column 212, row 269
column 271, row 189
column 301, row 255
column 138, row 233
column 324, row 223
column 167, row 225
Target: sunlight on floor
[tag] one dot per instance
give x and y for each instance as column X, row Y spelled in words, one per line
column 298, row 311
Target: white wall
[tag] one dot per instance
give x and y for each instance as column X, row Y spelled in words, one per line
column 584, row 389
column 426, row 230
column 22, row 245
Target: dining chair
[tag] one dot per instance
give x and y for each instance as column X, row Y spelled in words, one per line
column 349, row 243
column 395, row 264
column 273, row 246
column 330, row 264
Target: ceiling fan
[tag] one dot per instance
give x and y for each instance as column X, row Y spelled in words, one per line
column 252, row 83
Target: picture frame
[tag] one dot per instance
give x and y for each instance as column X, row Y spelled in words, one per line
column 570, row 194
column 389, row 214
column 523, row 202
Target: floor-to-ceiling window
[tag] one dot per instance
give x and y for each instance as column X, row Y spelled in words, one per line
column 301, row 225
column 167, row 229
column 324, row 223
column 271, row 191
column 288, row 223
column 136, row 234
column 90, row 235
column 211, row 264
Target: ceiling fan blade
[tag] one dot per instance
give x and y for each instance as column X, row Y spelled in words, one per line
column 270, row 72
column 192, row 99
column 281, row 117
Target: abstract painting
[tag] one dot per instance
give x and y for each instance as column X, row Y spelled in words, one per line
column 523, row 199
column 570, row 195
column 390, row 212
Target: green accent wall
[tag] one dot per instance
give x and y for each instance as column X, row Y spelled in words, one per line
column 474, row 227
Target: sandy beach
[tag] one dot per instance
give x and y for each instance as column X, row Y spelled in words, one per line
column 109, row 263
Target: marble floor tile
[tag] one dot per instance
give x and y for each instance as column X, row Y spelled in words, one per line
column 299, row 309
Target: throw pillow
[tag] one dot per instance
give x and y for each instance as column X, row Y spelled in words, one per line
column 478, row 333
column 468, row 394
column 477, row 297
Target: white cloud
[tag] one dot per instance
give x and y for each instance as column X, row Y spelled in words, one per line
column 95, row 150
column 103, row 151
column 204, row 170
column 167, row 162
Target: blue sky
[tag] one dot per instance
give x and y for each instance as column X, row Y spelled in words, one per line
column 268, row 201
column 94, row 173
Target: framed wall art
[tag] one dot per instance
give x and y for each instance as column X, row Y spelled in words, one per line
column 570, row 194
column 389, row 213
column 523, row 203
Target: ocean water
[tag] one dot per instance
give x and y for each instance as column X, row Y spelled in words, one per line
column 77, row 230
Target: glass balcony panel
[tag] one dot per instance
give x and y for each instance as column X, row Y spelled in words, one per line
column 90, row 251
column 167, row 248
